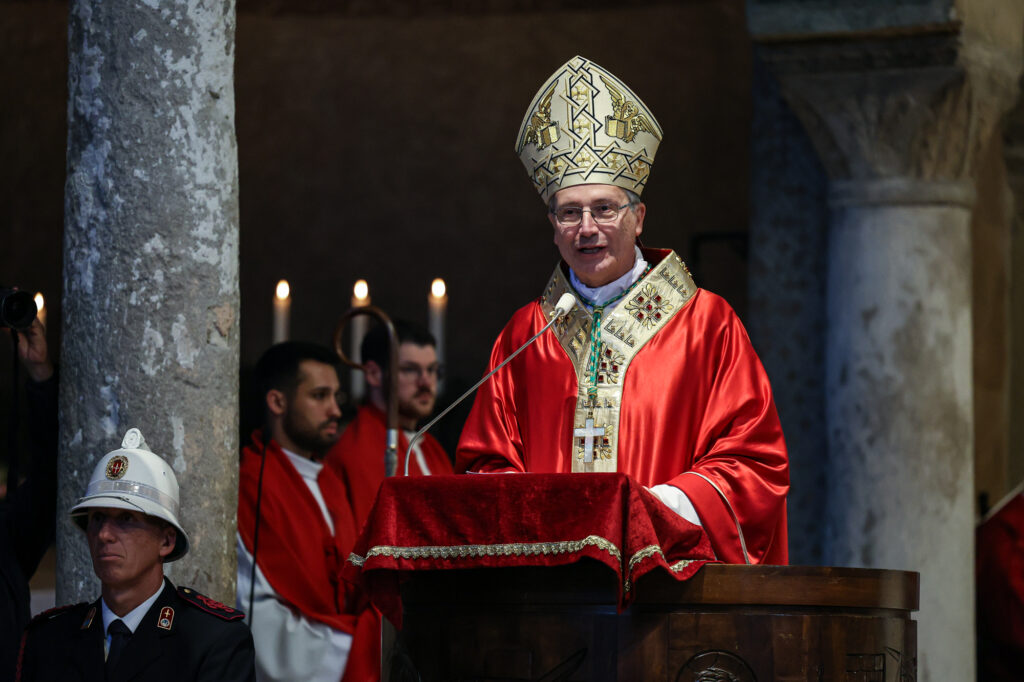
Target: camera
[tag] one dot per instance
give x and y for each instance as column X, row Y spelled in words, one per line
column 17, row 309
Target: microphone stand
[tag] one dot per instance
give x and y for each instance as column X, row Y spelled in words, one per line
column 391, row 445
column 562, row 308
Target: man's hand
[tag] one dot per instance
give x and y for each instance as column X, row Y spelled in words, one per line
column 33, row 353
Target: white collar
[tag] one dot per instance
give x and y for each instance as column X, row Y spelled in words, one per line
column 606, row 292
column 306, row 467
column 134, row 617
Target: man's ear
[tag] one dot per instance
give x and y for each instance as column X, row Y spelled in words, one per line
column 641, row 211
column 374, row 374
column 277, row 402
column 168, row 538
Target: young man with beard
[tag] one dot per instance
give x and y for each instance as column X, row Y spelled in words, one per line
column 294, row 517
column 359, row 455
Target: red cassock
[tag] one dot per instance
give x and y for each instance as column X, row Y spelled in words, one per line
column 682, row 399
column 358, row 459
column 999, row 571
column 298, row 554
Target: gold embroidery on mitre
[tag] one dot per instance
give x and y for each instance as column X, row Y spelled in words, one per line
column 541, row 131
column 625, row 329
column 626, row 120
column 584, row 126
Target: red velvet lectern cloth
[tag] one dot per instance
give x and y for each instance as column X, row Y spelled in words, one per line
column 500, row 520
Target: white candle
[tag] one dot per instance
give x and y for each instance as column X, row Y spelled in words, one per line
column 282, row 311
column 41, row 308
column 437, row 303
column 358, row 325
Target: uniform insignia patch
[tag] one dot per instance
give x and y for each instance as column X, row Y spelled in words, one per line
column 88, row 618
column 166, row 618
column 211, row 606
column 116, row 467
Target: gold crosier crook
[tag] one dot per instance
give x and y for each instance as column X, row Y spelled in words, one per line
column 391, row 444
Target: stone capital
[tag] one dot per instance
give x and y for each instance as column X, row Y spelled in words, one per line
column 894, row 191
column 910, row 102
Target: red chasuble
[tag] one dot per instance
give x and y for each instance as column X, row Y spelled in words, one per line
column 297, row 553
column 671, row 392
column 358, row 458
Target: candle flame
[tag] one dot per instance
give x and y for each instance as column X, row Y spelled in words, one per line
column 437, row 288
column 283, row 290
column 361, row 290
column 40, row 301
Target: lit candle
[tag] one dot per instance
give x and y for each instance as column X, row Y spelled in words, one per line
column 282, row 311
column 41, row 309
column 360, row 298
column 437, row 303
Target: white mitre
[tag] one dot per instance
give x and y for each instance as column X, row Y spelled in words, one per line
column 585, row 126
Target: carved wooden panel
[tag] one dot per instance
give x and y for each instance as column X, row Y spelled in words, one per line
column 561, row 624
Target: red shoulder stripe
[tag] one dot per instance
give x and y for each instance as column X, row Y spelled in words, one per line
column 50, row 613
column 211, row 606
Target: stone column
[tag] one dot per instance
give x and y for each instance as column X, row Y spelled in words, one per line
column 151, row 268
column 897, row 117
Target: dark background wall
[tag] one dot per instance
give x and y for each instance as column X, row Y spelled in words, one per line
column 381, row 147
column 377, row 142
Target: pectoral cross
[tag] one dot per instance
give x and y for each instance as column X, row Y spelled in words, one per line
column 587, row 433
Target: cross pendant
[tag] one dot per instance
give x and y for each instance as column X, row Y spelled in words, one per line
column 587, row 433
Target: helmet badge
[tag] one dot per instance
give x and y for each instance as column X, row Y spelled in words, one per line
column 116, row 467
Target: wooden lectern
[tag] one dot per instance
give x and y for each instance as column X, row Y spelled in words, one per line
column 492, row 592
column 727, row 623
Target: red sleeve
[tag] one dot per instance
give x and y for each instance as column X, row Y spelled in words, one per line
column 740, row 473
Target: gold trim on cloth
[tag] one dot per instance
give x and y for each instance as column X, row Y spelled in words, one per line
column 625, row 328
column 519, row 549
column 504, row 549
column 585, row 126
column 645, row 553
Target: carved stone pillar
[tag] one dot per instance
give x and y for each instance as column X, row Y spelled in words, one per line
column 897, row 116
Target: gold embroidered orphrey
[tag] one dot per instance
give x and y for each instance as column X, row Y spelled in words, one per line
column 625, row 329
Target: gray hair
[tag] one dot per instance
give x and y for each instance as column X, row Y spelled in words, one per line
column 632, row 196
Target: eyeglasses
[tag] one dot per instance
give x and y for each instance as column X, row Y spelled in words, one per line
column 602, row 214
column 413, row 372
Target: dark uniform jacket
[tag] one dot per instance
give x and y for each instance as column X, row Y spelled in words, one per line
column 27, row 521
column 184, row 636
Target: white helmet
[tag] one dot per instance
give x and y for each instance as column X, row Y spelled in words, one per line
column 134, row 478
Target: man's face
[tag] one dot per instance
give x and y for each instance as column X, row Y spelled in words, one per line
column 417, row 381
column 312, row 414
column 598, row 254
column 127, row 547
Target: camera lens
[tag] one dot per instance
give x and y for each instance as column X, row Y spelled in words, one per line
column 17, row 309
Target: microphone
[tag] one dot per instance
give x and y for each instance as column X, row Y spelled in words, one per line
column 565, row 303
